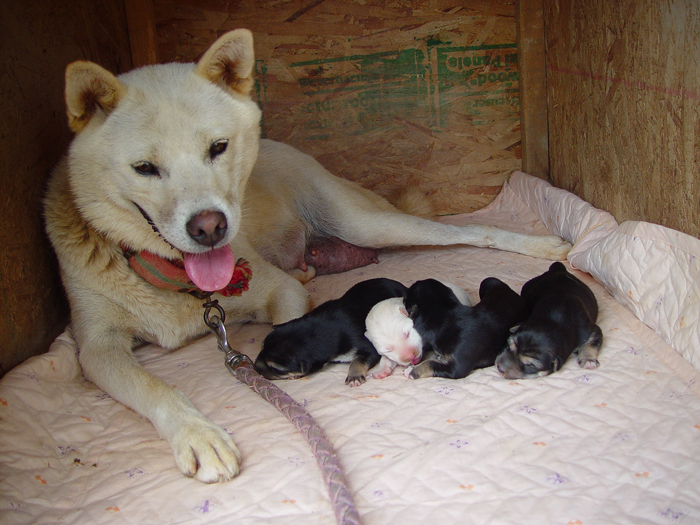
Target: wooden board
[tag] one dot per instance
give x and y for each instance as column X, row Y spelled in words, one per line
column 421, row 93
column 624, row 106
column 40, row 37
column 529, row 19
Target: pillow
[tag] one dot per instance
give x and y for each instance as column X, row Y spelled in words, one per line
column 655, row 272
column 562, row 212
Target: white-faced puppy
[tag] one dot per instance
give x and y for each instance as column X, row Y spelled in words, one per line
column 458, row 338
column 391, row 331
column 562, row 321
column 335, row 330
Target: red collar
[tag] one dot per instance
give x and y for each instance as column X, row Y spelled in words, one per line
column 170, row 274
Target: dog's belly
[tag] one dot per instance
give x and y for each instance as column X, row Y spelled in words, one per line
column 286, row 251
column 292, row 248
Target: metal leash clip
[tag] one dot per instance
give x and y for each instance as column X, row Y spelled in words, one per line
column 233, row 359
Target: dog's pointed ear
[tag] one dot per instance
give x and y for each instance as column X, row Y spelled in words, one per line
column 229, row 62
column 90, row 89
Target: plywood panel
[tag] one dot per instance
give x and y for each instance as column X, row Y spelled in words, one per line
column 387, row 94
column 529, row 20
column 38, row 38
column 624, row 106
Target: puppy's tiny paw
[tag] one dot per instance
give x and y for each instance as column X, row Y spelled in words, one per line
column 379, row 374
column 588, row 364
column 355, row 380
column 380, row 371
column 408, row 372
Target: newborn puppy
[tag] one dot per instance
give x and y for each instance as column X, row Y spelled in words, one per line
column 332, row 331
column 391, row 331
column 563, row 312
column 460, row 338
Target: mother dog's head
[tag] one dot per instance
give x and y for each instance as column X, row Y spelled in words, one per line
column 164, row 154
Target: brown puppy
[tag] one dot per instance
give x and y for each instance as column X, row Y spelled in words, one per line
column 334, row 331
column 563, row 312
column 458, row 338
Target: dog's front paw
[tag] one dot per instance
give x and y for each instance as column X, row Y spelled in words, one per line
column 205, row 451
column 408, row 372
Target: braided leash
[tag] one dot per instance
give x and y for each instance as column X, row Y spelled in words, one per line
column 240, row 366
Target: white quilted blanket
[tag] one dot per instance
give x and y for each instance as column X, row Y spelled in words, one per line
column 619, row 444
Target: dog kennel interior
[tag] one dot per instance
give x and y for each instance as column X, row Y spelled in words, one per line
column 598, row 100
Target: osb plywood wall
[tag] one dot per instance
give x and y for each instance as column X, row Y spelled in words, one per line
column 624, row 106
column 385, row 93
column 38, row 38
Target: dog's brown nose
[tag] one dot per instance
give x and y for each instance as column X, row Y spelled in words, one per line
column 207, row 227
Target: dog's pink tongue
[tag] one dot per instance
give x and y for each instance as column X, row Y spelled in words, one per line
column 210, row 271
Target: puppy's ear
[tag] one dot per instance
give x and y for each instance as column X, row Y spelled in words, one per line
column 90, row 90
column 403, row 311
column 229, row 62
column 413, row 311
column 512, row 344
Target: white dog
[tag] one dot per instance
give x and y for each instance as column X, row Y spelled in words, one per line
column 167, row 188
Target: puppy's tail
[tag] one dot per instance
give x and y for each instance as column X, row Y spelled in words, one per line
column 413, row 201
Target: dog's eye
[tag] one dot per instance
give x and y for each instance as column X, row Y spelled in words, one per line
column 147, row 169
column 217, row 148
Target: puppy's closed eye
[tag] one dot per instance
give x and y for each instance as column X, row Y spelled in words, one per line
column 528, row 360
column 534, row 365
column 277, row 368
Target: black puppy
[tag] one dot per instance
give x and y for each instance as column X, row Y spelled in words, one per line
column 458, row 338
column 333, row 331
column 563, row 312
